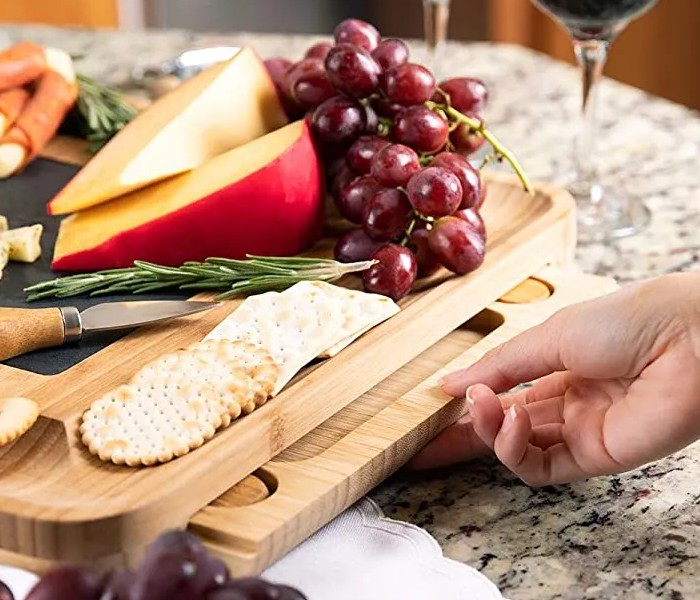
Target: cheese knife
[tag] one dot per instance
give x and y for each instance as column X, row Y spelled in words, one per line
column 25, row 329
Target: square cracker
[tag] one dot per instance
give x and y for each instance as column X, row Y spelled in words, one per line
column 294, row 326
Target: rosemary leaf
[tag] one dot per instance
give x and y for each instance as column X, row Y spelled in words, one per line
column 255, row 275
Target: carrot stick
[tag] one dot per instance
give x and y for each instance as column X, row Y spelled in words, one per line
column 56, row 92
column 20, row 64
column 11, row 104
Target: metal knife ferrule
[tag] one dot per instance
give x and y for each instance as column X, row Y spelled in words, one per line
column 72, row 324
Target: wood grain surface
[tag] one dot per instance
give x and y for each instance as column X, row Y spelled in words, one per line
column 59, row 503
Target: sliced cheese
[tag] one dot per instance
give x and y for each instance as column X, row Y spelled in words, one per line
column 221, row 108
column 262, row 198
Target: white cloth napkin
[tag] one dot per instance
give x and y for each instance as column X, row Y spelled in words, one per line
column 361, row 555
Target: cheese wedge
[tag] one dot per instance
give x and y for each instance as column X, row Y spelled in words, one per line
column 221, row 108
column 262, row 198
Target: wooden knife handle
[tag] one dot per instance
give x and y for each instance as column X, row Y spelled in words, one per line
column 25, row 329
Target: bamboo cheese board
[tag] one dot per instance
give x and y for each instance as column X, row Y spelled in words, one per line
column 60, row 504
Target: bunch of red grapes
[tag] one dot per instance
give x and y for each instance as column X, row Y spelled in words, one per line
column 395, row 161
column 176, row 567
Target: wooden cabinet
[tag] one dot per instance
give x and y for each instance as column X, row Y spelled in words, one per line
column 659, row 52
column 80, row 13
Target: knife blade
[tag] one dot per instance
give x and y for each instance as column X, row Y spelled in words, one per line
column 24, row 330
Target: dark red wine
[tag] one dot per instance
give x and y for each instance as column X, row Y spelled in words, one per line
column 590, row 15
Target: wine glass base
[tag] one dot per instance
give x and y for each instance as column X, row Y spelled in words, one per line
column 610, row 219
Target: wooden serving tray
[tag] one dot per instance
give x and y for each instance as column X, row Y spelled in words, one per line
column 257, row 521
column 58, row 503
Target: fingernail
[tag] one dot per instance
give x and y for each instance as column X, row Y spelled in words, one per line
column 441, row 381
column 468, row 395
column 511, row 415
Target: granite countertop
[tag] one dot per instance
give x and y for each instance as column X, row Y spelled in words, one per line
column 632, row 536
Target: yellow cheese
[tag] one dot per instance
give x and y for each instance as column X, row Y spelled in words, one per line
column 262, row 198
column 223, row 107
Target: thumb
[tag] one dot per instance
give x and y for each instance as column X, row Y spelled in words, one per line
column 528, row 356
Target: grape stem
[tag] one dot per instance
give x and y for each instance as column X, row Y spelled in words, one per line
column 478, row 126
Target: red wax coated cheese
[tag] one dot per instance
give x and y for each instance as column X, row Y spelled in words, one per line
column 265, row 198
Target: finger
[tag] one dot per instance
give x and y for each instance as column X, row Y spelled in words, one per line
column 528, row 356
column 457, row 443
column 550, row 386
column 486, row 411
column 544, row 436
column 532, row 464
column 542, row 412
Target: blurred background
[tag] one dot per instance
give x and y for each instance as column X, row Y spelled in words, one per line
column 658, row 52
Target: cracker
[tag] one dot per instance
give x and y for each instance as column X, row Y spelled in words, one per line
column 223, row 364
column 17, row 416
column 294, row 326
column 256, row 362
column 361, row 311
column 150, row 423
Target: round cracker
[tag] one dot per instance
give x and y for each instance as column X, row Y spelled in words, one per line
column 17, row 416
column 150, row 423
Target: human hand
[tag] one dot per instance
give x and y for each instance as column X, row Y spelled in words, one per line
column 618, row 386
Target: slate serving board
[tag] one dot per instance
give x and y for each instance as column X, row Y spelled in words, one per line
column 23, row 201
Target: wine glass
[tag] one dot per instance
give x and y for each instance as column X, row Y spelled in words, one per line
column 593, row 25
column 436, row 16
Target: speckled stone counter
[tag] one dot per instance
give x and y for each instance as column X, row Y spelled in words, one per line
column 634, row 536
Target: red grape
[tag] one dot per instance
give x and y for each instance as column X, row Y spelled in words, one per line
column 341, row 178
column 465, row 140
column 386, row 108
column 468, row 177
column 394, row 164
column 355, row 245
column 371, row 119
column 394, row 274
column 177, row 567
column 435, row 192
column 408, row 84
column 352, row 70
column 426, row 261
column 386, row 214
column 5, row 592
column 277, row 67
column 305, row 65
column 467, row 94
column 75, row 583
column 354, row 197
column 421, row 129
column 118, row 586
column 312, row 88
column 390, row 53
column 338, row 121
column 457, row 245
column 319, row 50
column 473, row 218
column 358, row 33
column 360, row 154
column 482, row 197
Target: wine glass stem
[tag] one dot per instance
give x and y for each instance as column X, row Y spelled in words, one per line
column 591, row 56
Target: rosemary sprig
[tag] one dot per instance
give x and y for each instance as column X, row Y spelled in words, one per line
column 100, row 112
column 236, row 277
